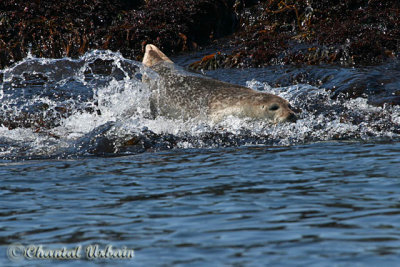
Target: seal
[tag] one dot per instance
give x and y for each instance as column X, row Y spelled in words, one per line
column 179, row 94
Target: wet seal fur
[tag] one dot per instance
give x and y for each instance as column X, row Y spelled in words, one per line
column 184, row 95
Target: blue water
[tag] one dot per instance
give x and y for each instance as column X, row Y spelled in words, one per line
column 324, row 191
column 323, row 204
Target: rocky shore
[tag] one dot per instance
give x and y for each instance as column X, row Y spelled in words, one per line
column 70, row 28
column 260, row 33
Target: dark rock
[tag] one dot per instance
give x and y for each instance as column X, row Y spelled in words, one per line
column 346, row 32
column 69, row 28
column 270, row 32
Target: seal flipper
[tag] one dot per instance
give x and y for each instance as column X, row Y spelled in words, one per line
column 153, row 55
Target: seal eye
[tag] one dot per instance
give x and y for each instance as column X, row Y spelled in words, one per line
column 274, row 107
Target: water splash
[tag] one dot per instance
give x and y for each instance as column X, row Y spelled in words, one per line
column 97, row 105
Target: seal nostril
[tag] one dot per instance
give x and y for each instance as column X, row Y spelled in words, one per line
column 291, row 118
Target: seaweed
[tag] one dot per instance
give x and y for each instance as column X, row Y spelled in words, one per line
column 268, row 32
column 70, row 28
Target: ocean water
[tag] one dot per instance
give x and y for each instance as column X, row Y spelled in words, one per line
column 82, row 164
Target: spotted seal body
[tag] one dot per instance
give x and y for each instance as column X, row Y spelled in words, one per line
column 183, row 95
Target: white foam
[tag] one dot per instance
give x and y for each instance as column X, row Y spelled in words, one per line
column 122, row 99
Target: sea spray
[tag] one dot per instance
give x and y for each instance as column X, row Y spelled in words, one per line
column 98, row 105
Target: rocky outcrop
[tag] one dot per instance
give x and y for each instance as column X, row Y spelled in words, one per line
column 268, row 32
column 69, row 28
